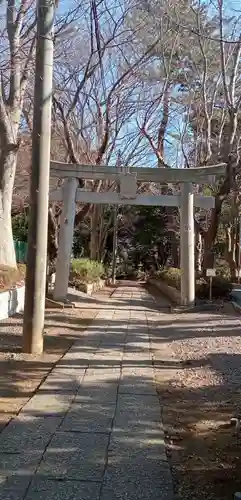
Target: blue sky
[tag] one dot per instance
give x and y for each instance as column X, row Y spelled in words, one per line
column 232, row 7
column 176, row 123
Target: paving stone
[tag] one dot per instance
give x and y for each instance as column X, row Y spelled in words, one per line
column 48, row 404
column 138, row 334
column 80, row 352
column 46, row 489
column 76, row 359
column 60, row 382
column 104, row 380
column 106, row 353
column 107, row 357
column 142, row 483
column 137, row 412
column 135, row 369
column 150, row 443
column 106, row 365
column 13, row 487
column 137, row 380
column 104, row 316
column 75, row 372
column 137, row 469
column 89, row 418
column 110, row 344
column 19, row 464
column 24, row 434
column 72, row 366
column 137, row 357
column 138, row 342
column 75, row 456
column 104, row 393
column 102, row 375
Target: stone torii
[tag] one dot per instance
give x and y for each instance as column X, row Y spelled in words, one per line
column 127, row 179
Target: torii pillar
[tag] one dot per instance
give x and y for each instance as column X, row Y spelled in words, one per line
column 187, row 245
column 65, row 239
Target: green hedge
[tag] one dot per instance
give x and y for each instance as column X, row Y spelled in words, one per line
column 86, row 271
column 221, row 286
column 171, row 276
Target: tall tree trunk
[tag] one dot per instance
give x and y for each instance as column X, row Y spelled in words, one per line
column 210, row 235
column 231, row 251
column 174, row 251
column 8, row 160
column 52, row 240
column 94, row 236
column 163, row 126
column 198, row 252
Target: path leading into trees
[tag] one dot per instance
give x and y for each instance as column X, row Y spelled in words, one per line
column 92, row 431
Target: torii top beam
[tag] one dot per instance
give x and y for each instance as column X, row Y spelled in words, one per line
column 199, row 175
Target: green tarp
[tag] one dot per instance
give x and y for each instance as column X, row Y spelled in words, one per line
column 21, row 251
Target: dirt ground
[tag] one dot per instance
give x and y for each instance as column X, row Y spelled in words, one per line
column 21, row 374
column 198, row 372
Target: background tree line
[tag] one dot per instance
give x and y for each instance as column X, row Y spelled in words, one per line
column 147, row 83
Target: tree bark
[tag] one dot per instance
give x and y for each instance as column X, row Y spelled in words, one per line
column 198, row 252
column 163, row 127
column 231, row 251
column 174, row 251
column 8, row 160
column 210, row 235
column 52, row 240
column 94, row 236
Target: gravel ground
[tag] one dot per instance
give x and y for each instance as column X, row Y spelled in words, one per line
column 198, row 370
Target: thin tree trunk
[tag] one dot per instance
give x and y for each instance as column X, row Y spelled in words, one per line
column 52, row 240
column 211, row 233
column 163, row 126
column 231, row 251
column 7, row 173
column 198, row 252
column 94, row 234
column 174, row 251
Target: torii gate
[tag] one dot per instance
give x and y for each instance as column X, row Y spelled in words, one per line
column 127, row 195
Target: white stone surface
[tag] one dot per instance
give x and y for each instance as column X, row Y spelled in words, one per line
column 146, row 174
column 112, row 198
column 187, row 245
column 65, row 239
column 11, row 302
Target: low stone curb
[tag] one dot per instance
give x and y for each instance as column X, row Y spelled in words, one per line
column 12, row 302
column 54, row 304
column 236, row 307
column 171, row 293
column 175, row 298
column 213, row 306
column 90, row 288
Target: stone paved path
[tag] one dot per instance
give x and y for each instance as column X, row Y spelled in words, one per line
column 93, row 429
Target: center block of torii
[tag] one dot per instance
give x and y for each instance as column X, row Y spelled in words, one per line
column 128, row 186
